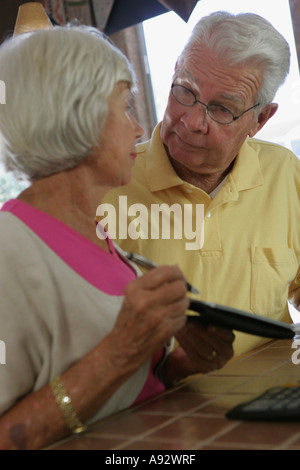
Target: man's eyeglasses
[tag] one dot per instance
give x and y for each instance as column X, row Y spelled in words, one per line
column 216, row 112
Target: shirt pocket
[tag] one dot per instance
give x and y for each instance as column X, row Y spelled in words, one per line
column 272, row 271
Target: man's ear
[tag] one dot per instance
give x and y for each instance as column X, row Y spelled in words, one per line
column 266, row 113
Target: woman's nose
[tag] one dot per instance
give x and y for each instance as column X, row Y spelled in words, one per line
column 139, row 131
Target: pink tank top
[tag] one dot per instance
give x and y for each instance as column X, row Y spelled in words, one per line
column 84, row 257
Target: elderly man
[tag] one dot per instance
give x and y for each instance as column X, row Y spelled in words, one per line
column 203, row 159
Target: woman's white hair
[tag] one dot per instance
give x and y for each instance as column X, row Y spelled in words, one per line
column 246, row 39
column 57, row 86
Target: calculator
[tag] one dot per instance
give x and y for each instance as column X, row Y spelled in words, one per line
column 278, row 403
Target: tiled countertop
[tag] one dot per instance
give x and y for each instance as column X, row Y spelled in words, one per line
column 192, row 415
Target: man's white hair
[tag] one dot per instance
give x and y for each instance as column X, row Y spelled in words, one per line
column 244, row 39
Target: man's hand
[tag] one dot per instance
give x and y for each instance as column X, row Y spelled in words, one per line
column 201, row 350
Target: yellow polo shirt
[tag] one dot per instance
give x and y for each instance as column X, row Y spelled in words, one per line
column 248, row 254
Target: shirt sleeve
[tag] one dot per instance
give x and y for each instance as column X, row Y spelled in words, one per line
column 19, row 336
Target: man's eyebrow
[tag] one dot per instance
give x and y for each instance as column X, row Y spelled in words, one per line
column 197, row 82
column 233, row 98
column 188, row 75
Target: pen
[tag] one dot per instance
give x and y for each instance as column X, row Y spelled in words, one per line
column 146, row 263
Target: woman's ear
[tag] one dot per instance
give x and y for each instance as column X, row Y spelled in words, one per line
column 266, row 113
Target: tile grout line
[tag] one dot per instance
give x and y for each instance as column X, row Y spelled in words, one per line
column 170, row 421
column 174, row 418
column 142, row 436
column 217, row 435
column 288, row 441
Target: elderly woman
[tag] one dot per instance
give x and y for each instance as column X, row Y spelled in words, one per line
column 83, row 329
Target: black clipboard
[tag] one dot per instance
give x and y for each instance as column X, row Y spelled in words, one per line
column 209, row 313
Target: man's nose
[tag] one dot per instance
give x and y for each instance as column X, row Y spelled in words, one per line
column 195, row 118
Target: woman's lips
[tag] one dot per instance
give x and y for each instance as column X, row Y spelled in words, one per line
column 133, row 156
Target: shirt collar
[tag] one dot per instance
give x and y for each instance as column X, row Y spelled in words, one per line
column 246, row 172
column 160, row 172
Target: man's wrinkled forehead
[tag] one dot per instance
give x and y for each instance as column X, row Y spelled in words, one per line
column 196, row 83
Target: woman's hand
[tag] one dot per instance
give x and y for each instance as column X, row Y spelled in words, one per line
column 154, row 309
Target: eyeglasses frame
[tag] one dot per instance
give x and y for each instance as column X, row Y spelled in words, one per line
column 207, row 106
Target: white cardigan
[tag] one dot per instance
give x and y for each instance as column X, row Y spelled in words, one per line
column 49, row 318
